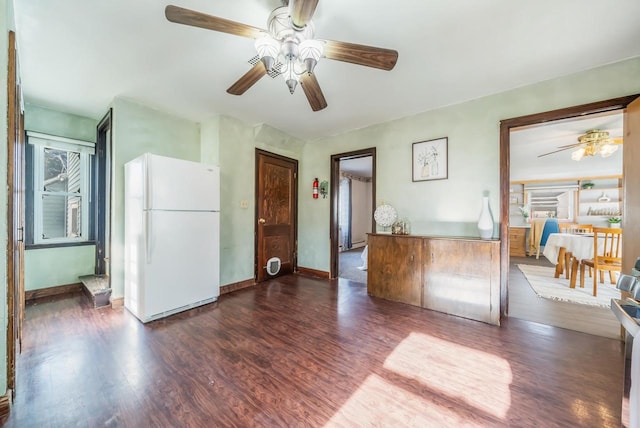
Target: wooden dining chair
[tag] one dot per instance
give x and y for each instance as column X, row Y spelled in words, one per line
column 575, row 228
column 566, row 227
column 568, row 256
column 582, row 228
column 607, row 256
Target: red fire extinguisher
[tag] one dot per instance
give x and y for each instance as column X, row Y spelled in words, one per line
column 315, row 188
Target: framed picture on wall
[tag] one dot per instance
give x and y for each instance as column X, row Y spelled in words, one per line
column 430, row 160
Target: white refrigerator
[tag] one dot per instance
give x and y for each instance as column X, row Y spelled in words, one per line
column 172, row 236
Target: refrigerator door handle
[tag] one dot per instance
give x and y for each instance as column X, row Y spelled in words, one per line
column 148, row 242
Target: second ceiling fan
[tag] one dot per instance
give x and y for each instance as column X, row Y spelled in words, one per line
column 591, row 143
column 288, row 47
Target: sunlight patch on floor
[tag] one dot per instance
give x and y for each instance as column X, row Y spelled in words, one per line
column 378, row 402
column 586, row 413
column 479, row 379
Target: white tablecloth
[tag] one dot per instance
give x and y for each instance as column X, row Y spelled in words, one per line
column 581, row 246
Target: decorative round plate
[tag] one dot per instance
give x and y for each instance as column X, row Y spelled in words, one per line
column 385, row 215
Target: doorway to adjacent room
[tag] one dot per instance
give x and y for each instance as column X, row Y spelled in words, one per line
column 352, row 206
column 521, row 301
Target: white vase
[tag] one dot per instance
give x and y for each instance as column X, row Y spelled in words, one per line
column 485, row 222
column 614, row 225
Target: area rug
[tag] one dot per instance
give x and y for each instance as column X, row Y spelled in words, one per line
column 545, row 285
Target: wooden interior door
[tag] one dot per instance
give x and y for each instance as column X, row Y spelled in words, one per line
column 276, row 213
column 15, row 216
column 631, row 186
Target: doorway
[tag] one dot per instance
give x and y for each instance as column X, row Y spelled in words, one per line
column 548, row 167
column 352, row 205
column 276, row 215
column 507, row 126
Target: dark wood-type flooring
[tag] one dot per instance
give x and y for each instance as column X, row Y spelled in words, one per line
column 298, row 351
column 525, row 304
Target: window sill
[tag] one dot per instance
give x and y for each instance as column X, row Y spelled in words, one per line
column 58, row 245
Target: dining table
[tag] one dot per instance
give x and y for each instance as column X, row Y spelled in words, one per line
column 560, row 245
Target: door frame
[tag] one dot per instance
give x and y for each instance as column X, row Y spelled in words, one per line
column 335, row 192
column 294, row 208
column 505, row 135
column 102, row 186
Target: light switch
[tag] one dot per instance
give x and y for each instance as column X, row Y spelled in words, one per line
column 244, row 203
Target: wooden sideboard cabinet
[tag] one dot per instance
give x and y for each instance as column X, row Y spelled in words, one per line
column 457, row 276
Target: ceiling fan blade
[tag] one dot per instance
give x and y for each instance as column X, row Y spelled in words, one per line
column 568, row 146
column 313, row 92
column 368, row 56
column 248, row 80
column 197, row 19
column 301, row 11
column 555, row 151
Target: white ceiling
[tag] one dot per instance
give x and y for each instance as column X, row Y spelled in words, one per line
column 77, row 55
column 362, row 167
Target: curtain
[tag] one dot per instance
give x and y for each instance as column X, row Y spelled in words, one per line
column 344, row 207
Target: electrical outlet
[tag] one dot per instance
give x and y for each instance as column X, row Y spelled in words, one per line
column 244, row 203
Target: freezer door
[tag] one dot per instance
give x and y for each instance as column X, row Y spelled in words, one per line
column 182, row 259
column 176, row 184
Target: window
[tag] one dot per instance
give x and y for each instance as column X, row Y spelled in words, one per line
column 60, row 188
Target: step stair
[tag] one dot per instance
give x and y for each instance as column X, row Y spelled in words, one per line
column 97, row 288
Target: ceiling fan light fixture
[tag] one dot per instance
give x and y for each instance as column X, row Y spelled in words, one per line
column 310, row 65
column 607, row 150
column 578, row 154
column 594, row 136
column 291, row 84
column 268, row 50
column 291, row 71
column 310, row 52
column 289, row 49
column 592, row 149
column 289, row 28
column 294, row 47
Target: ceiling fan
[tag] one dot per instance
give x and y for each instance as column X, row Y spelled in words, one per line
column 287, row 47
column 593, row 142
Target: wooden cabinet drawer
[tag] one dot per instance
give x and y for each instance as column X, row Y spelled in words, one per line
column 517, row 241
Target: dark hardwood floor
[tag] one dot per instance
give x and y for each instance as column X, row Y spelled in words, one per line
column 298, row 351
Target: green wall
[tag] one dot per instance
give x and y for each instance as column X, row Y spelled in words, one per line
column 61, row 265
column 231, row 144
column 136, row 130
column 57, row 266
column 53, row 122
column 446, row 207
